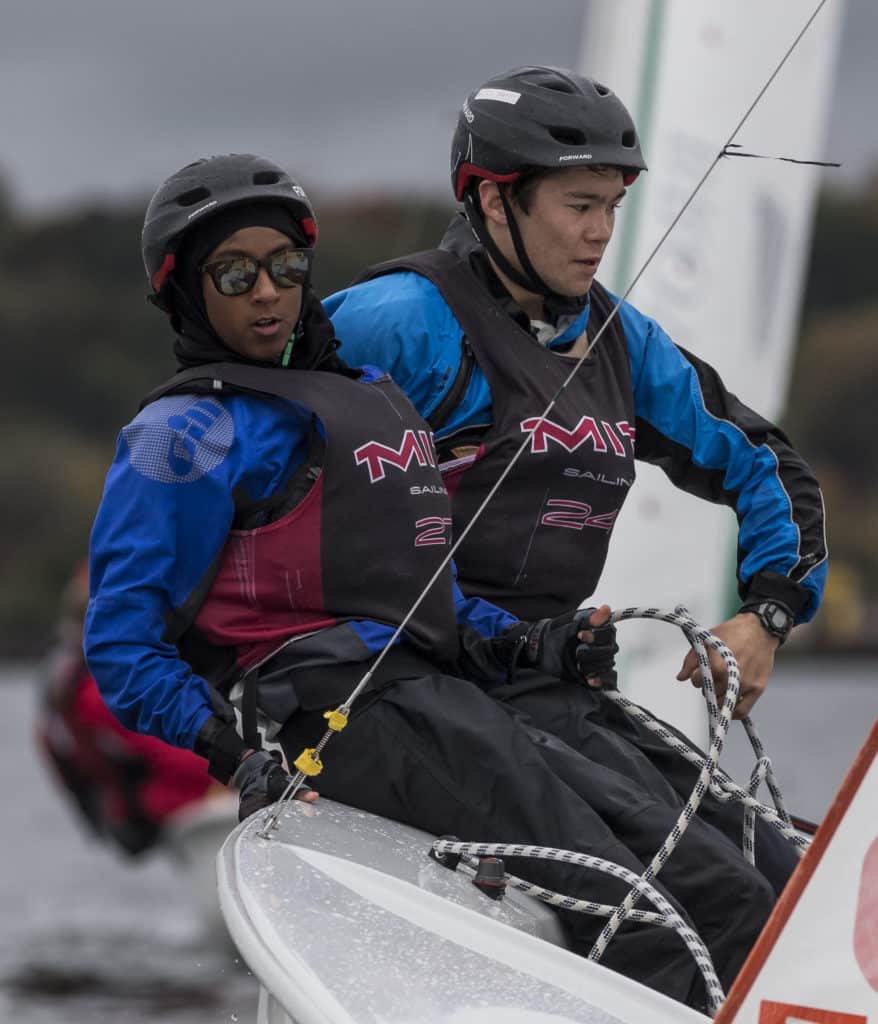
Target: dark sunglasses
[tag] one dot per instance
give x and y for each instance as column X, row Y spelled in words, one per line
column 236, row 275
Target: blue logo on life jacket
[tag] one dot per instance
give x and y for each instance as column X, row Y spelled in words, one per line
column 180, row 438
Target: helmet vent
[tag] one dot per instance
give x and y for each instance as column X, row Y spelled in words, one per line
column 547, row 78
column 602, row 90
column 568, row 136
column 629, row 139
column 266, row 178
column 557, row 85
column 193, row 196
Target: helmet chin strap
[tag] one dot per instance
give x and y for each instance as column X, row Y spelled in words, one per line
column 526, row 277
column 480, row 229
column 538, row 284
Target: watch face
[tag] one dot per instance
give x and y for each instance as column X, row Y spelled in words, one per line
column 779, row 618
column 774, row 617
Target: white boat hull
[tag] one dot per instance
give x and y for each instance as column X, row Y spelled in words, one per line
column 343, row 917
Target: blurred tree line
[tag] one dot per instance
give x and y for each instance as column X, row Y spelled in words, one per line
column 831, row 407
column 82, row 346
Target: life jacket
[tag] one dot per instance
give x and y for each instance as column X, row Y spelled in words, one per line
column 540, row 545
column 359, row 541
column 124, row 785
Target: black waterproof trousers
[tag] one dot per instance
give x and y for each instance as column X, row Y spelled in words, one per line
column 600, row 729
column 436, row 752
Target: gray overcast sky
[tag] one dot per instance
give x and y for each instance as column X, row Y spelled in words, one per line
column 107, row 97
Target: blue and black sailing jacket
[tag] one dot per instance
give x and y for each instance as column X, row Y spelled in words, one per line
column 311, row 511
column 481, row 378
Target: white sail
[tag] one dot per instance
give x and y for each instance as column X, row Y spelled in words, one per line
column 817, row 957
column 727, row 284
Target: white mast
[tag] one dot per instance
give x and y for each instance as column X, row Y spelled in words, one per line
column 727, row 284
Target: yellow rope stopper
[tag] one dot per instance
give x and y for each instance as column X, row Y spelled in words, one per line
column 308, row 762
column 336, row 720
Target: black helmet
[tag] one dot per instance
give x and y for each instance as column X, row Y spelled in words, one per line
column 206, row 187
column 541, row 117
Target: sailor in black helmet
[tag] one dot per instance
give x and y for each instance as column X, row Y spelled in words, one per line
column 269, row 519
column 482, row 332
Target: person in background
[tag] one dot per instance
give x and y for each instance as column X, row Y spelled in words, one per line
column 481, row 333
column 272, row 516
column 124, row 786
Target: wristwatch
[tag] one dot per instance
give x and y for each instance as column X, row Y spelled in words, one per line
column 775, row 617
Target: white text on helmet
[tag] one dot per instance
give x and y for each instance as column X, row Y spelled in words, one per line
column 501, row 95
column 201, row 209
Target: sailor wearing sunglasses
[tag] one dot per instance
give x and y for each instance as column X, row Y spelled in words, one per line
column 264, row 326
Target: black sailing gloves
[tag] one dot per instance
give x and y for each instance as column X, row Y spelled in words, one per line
column 259, row 776
column 554, row 646
column 261, row 780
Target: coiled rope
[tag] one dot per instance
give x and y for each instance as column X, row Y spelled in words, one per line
column 666, row 918
column 711, row 778
column 721, row 785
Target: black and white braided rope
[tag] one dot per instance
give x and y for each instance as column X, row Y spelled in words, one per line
column 721, row 785
column 666, row 917
column 710, row 778
column 700, row 638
